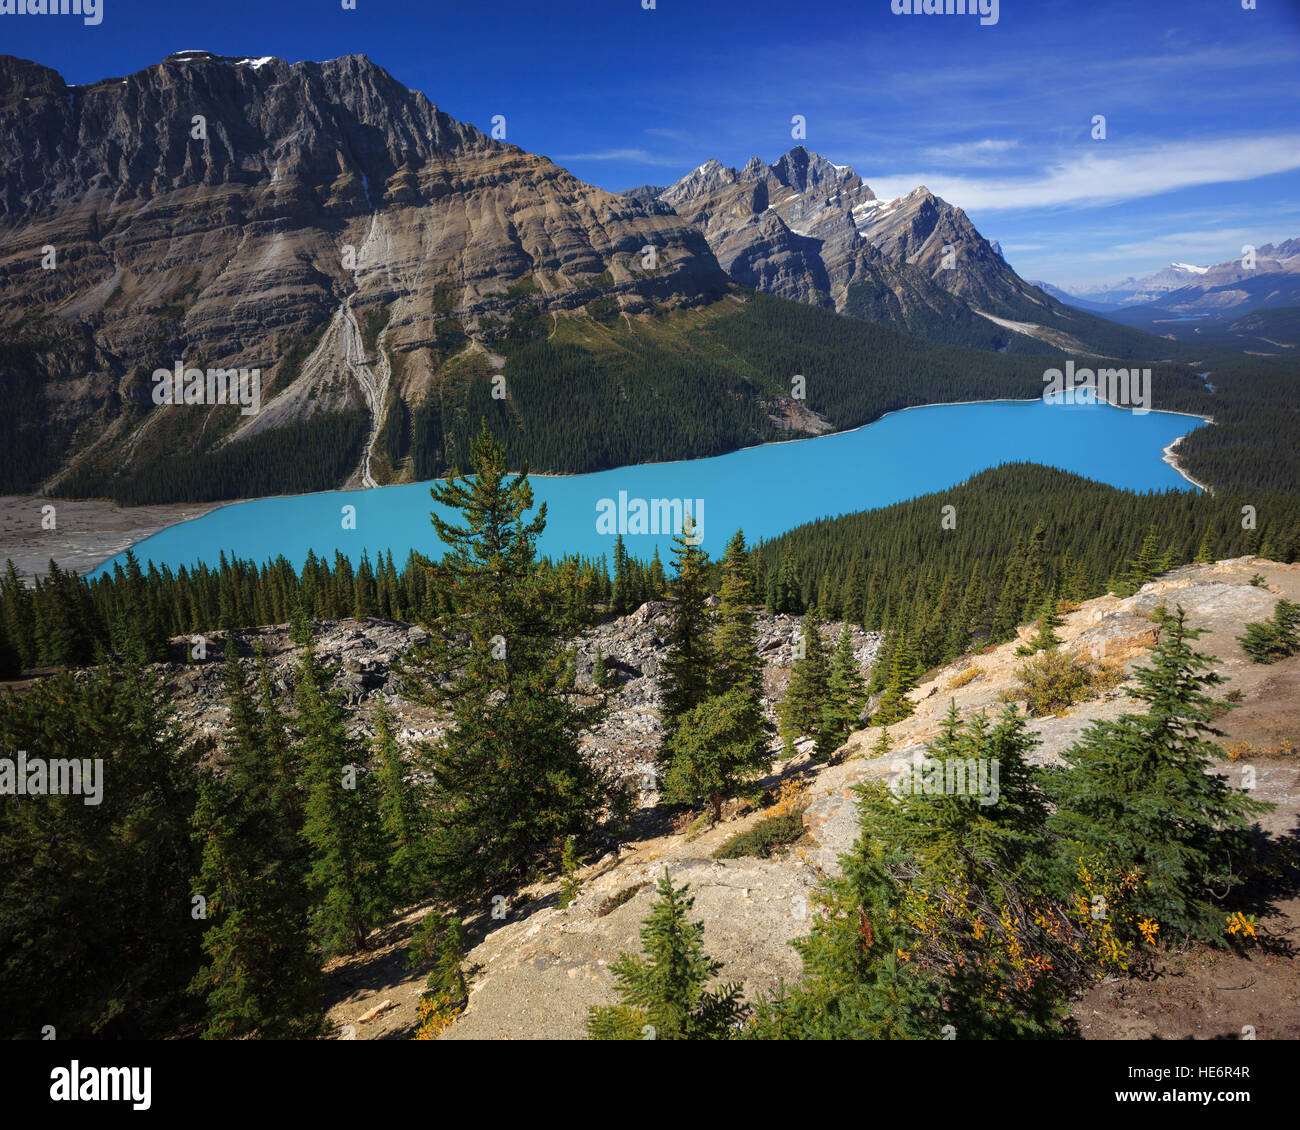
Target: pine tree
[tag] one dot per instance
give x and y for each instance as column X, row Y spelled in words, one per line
column 846, row 695
column 789, row 588
column 736, row 664
column 620, row 596
column 96, row 937
column 858, row 982
column 438, row 944
column 715, row 750
column 1274, row 638
column 402, row 817
column 261, row 976
column 658, row 584
column 955, row 825
column 908, row 941
column 1045, row 638
column 800, row 712
column 342, row 818
column 894, row 705
column 1149, row 564
column 663, row 995
column 686, row 676
column 509, row 778
column 1139, row 791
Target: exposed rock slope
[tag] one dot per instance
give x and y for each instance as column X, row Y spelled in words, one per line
column 542, row 967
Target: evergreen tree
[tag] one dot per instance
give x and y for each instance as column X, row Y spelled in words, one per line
column 934, row 909
column 1139, row 791
column 658, row 583
column 1045, row 638
column 570, row 884
column 402, row 817
column 789, row 588
column 620, row 597
column 663, row 995
column 96, row 935
column 846, row 695
column 686, row 676
column 1150, row 562
column 894, row 705
column 438, row 944
column 261, row 976
column 800, row 712
column 715, row 749
column 509, row 778
column 736, row 664
column 858, row 980
column 1275, row 638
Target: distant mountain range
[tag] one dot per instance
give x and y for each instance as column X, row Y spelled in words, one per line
column 1181, row 290
column 381, row 263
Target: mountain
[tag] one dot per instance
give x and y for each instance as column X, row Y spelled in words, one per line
column 1073, row 299
column 1148, row 288
column 395, row 276
column 812, row 231
column 222, row 210
column 1182, row 291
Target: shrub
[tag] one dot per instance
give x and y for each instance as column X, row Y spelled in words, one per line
column 439, row 941
column 1053, row 682
column 611, row 904
column 963, row 678
column 570, row 884
column 763, row 837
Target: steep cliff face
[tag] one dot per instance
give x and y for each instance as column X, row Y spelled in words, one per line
column 222, row 209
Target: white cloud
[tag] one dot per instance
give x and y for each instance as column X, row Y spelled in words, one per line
column 1107, row 174
column 637, row 156
column 987, row 151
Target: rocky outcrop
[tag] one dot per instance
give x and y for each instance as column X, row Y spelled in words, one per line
column 542, row 966
column 363, row 655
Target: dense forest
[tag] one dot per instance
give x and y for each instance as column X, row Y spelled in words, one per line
column 880, row 569
column 585, row 394
column 687, row 386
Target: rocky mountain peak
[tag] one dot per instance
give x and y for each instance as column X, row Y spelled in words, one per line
column 804, row 171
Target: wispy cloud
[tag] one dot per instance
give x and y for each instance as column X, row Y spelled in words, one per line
column 1109, row 175
column 988, row 151
column 637, row 156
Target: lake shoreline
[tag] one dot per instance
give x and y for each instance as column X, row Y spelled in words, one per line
column 113, row 529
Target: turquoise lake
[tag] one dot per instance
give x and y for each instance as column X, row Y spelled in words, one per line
column 763, row 490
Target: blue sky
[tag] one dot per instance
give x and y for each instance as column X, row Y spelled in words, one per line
column 1201, row 98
